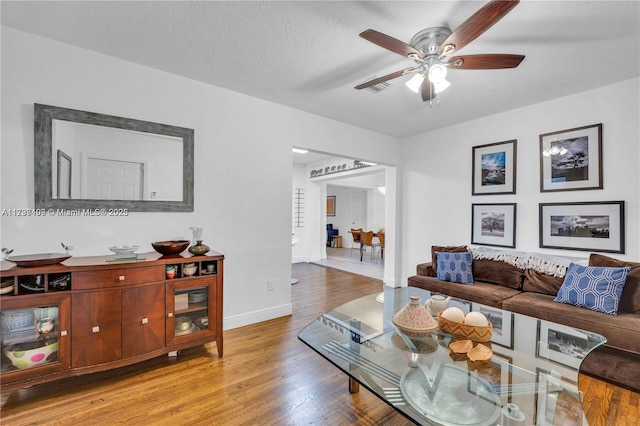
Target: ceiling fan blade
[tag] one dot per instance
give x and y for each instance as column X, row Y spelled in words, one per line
column 392, row 44
column 385, row 78
column 427, row 90
column 478, row 23
column 490, row 61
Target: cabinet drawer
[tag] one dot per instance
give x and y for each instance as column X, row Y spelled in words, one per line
column 116, row 277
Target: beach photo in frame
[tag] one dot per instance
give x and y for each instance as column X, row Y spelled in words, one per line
column 571, row 159
column 331, row 205
column 558, row 401
column 588, row 226
column 501, row 322
column 494, row 168
column 494, row 224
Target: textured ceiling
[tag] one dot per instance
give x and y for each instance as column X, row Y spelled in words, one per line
column 308, row 55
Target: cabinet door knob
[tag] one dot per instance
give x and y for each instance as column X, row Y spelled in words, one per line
column 95, row 329
column 145, row 320
column 170, row 314
column 121, row 278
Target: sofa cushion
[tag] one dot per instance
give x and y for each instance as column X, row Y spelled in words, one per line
column 595, row 287
column 455, row 267
column 480, row 292
column 630, row 299
column 497, row 272
column 425, row 269
column 444, row 249
column 541, row 283
column 621, row 331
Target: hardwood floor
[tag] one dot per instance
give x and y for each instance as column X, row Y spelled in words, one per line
column 267, row 377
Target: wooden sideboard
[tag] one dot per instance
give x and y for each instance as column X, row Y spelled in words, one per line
column 96, row 313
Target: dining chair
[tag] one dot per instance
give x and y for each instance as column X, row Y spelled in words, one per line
column 355, row 233
column 367, row 241
column 381, row 239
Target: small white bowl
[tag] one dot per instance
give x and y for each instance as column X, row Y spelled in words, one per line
column 124, row 249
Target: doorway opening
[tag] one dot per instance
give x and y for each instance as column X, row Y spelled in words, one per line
column 364, row 198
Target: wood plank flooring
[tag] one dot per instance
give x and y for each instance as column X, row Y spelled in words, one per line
column 267, row 377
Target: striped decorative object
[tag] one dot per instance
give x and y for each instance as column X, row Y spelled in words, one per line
column 471, row 332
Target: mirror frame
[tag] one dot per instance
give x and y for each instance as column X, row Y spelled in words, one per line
column 43, row 157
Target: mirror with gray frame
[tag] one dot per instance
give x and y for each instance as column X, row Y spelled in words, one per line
column 87, row 160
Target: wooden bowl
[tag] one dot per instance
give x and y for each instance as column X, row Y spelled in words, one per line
column 169, row 248
column 466, row 331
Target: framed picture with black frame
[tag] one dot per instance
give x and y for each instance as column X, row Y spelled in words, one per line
column 589, row 226
column 561, row 344
column 571, row 159
column 494, row 168
column 494, row 224
column 501, row 324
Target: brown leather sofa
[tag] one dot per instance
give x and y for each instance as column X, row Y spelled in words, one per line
column 525, row 291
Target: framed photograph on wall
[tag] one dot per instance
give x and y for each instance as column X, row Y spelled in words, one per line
column 494, row 168
column 561, row 344
column 501, row 324
column 589, row 226
column 331, row 205
column 494, row 224
column 571, row 159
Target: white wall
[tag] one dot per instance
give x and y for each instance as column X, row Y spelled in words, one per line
column 243, row 164
column 437, row 199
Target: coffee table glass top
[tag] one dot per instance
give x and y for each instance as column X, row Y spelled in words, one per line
column 531, row 378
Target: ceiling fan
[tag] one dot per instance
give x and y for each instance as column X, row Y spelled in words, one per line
column 431, row 50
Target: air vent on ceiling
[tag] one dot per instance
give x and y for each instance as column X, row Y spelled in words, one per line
column 377, row 88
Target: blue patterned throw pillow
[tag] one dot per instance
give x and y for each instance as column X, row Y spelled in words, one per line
column 596, row 288
column 455, row 267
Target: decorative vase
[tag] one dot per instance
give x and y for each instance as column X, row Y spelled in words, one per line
column 198, row 248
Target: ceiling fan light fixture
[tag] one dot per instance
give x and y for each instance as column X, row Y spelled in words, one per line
column 437, row 73
column 441, row 86
column 415, row 82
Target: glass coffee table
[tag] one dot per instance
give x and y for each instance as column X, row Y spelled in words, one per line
column 531, row 379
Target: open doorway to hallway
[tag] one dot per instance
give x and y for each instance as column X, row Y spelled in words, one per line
column 357, row 193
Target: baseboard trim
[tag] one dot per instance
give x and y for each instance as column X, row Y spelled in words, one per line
column 254, row 317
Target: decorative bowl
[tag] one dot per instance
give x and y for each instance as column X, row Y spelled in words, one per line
column 170, row 271
column 414, row 320
column 45, row 325
column 197, row 296
column 7, row 286
column 6, row 290
column 169, row 248
column 480, row 353
column 189, row 269
column 30, row 354
column 124, row 249
column 183, row 323
column 44, row 259
column 471, row 332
